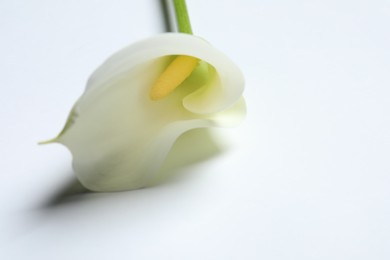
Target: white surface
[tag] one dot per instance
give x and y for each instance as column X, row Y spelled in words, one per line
column 305, row 177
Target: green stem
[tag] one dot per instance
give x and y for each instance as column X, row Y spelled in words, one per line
column 182, row 18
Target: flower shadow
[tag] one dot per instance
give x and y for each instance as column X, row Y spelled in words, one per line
column 70, row 191
column 192, row 147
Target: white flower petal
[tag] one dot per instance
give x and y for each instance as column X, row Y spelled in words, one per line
column 119, row 137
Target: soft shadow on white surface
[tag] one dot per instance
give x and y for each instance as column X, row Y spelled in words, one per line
column 72, row 190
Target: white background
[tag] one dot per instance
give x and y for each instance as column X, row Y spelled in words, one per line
column 306, row 176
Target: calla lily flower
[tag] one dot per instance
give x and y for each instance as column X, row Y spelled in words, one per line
column 119, row 134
